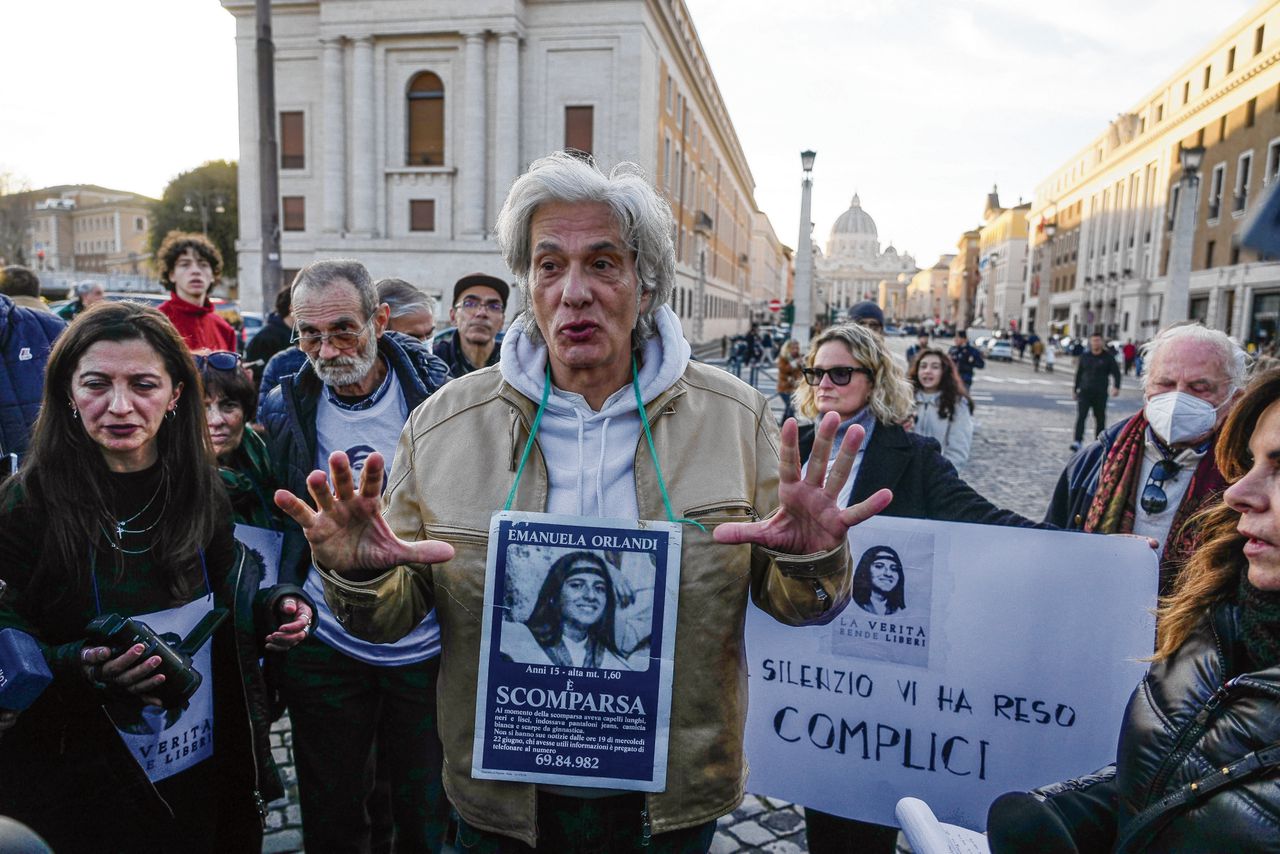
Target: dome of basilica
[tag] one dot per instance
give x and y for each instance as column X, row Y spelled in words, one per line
column 855, row 221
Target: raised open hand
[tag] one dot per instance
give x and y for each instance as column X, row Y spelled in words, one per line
column 347, row 532
column 809, row 518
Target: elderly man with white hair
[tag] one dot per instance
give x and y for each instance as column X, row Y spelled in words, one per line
column 1149, row 474
column 600, row 348
column 83, row 295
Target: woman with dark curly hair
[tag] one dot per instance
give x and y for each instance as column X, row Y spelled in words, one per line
column 944, row 410
column 879, row 582
column 572, row 623
column 1198, row 760
column 118, row 513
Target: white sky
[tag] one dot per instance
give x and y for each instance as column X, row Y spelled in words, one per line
column 918, row 105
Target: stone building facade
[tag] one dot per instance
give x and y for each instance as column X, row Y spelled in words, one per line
column 1111, row 206
column 88, row 229
column 927, row 294
column 1002, row 264
column 403, row 124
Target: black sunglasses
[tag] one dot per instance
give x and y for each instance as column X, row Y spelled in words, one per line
column 1154, row 501
column 219, row 360
column 839, row 376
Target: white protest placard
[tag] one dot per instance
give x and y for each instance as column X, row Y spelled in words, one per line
column 974, row 660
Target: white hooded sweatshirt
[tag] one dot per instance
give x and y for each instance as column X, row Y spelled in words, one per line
column 590, row 455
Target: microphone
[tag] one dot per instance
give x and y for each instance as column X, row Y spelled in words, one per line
column 23, row 672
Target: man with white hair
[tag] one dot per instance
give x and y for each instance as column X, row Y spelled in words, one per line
column 630, row 427
column 412, row 311
column 353, row 394
column 1150, row 473
column 83, row 295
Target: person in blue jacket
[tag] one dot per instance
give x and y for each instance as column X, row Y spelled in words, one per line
column 26, row 337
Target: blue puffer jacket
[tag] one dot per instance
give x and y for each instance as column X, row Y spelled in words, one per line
column 279, row 366
column 289, row 416
column 26, row 337
column 1079, row 481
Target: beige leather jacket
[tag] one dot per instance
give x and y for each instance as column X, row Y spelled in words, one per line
column 718, row 448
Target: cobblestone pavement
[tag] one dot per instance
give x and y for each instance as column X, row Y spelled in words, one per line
column 1018, row 452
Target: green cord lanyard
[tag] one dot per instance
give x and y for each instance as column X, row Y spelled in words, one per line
column 644, row 423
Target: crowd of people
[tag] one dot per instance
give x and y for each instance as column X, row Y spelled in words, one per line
column 321, row 505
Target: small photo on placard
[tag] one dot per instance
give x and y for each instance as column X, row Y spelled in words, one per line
column 889, row 617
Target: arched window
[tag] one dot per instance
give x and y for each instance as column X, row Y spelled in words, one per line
column 426, row 121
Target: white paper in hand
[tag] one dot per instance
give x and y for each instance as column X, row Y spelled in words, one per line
column 927, row 835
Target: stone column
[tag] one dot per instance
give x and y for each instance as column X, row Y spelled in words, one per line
column 472, row 159
column 248, row 173
column 506, row 160
column 362, row 154
column 333, row 174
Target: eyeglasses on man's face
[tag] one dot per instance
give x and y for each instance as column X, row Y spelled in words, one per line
column 343, row 339
column 493, row 306
column 839, row 375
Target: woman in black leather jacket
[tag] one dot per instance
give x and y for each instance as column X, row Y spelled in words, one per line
column 1198, row 763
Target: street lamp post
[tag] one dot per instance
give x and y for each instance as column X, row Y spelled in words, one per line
column 1177, row 293
column 702, row 228
column 1046, row 279
column 201, row 202
column 800, row 329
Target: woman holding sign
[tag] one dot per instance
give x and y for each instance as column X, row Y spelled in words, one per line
column 1199, row 754
column 116, row 537
column 850, row 371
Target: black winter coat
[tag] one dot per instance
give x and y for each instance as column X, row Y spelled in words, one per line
column 925, row 484
column 83, row 784
column 1093, row 371
column 289, row 416
column 273, row 337
column 1199, row 711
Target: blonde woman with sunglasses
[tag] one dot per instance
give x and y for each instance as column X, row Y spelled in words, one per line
column 849, row 371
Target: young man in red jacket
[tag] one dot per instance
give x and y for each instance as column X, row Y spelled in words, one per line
column 191, row 267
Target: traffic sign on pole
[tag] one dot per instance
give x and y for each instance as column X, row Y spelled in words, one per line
column 775, row 305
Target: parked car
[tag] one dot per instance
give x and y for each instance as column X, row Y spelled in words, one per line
column 1000, row 351
column 147, row 299
column 250, row 324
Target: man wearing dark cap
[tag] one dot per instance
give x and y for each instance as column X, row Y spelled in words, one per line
column 868, row 314
column 479, row 305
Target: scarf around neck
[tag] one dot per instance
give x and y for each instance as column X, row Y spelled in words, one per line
column 1113, row 508
column 1260, row 621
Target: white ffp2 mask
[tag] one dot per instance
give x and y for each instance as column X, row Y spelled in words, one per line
column 1179, row 418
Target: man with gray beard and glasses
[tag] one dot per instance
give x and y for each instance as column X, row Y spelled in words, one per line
column 354, row 394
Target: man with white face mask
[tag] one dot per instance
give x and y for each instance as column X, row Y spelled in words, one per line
column 1150, row 473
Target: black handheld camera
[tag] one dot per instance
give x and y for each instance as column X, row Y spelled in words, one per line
column 180, row 679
